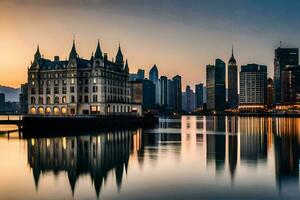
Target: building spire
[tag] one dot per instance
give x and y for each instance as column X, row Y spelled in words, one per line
column 119, row 57
column 98, row 52
column 73, row 53
column 126, row 67
column 232, row 59
column 37, row 54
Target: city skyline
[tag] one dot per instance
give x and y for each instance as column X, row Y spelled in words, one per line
column 149, row 34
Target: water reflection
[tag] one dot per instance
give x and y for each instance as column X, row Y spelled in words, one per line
column 95, row 155
column 259, row 157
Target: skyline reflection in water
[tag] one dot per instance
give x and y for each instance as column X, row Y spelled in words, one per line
column 188, row 158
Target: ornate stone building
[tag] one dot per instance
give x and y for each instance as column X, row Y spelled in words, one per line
column 79, row 86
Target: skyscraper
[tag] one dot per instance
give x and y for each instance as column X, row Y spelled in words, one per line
column 232, row 82
column 270, row 93
column 188, row 99
column 215, row 86
column 199, row 96
column 140, row 74
column 283, row 57
column 253, row 87
column 153, row 76
column 290, row 84
column 170, row 94
column 148, row 95
column 177, row 93
column 163, row 86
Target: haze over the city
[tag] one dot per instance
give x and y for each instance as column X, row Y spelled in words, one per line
column 180, row 37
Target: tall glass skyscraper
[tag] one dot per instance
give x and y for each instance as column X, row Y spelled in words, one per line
column 199, row 95
column 177, row 93
column 290, row 84
column 153, row 76
column 283, row 57
column 215, row 86
column 233, row 98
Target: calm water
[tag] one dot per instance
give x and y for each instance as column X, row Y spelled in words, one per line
column 187, row 158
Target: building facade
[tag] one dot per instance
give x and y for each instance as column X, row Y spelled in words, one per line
column 148, row 95
column 290, row 84
column 177, row 93
column 163, row 91
column 233, row 98
column 79, row 86
column 283, row 57
column 253, row 87
column 188, row 99
column 215, row 86
column 270, row 93
column 199, row 96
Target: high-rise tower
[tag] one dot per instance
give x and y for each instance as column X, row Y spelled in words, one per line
column 232, row 82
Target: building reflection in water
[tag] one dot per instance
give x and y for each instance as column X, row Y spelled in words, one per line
column 94, row 155
column 227, row 144
column 246, row 140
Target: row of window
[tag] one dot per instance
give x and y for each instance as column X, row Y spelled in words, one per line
column 81, row 99
column 63, row 100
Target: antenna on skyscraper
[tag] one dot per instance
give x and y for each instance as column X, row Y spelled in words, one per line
column 280, row 44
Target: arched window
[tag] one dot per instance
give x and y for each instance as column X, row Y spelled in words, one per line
column 32, row 110
column 56, row 110
column 64, row 99
column 32, row 100
column 48, row 110
column 56, row 100
column 41, row 110
column 48, row 100
column 63, row 110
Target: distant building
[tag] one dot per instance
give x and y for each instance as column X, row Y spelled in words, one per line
column 148, row 95
column 253, row 87
column 270, row 93
column 283, row 57
column 79, row 86
column 177, row 93
column 215, row 86
column 2, row 102
column 188, row 100
column 163, row 86
column 23, row 98
column 140, row 74
column 136, row 91
column 153, row 76
column 232, row 83
column 171, row 94
column 199, row 96
column 290, row 84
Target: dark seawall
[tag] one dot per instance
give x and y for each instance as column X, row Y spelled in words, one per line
column 53, row 126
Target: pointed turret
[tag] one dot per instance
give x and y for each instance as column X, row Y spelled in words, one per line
column 37, row 54
column 73, row 53
column 119, row 57
column 126, row 67
column 98, row 53
column 232, row 59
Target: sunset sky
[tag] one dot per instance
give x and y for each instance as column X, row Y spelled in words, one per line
column 179, row 36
